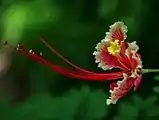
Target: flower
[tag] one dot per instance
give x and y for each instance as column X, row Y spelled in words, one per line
column 111, row 52
column 114, row 52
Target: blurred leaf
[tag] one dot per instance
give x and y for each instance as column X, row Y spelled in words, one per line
column 97, row 107
column 107, row 7
column 5, row 108
column 93, row 105
column 129, row 8
column 44, row 106
column 85, row 91
column 156, row 89
column 14, row 19
column 144, row 104
column 127, row 111
column 156, row 77
column 138, row 101
column 28, row 16
column 41, row 13
column 66, row 106
column 36, row 108
column 149, row 102
column 40, row 78
column 153, row 111
column 150, row 109
column 145, row 107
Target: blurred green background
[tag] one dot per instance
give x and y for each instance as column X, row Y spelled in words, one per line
column 30, row 91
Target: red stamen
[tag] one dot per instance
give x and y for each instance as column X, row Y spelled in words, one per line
column 73, row 74
column 94, row 76
column 64, row 59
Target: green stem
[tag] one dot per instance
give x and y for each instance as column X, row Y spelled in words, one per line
column 149, row 70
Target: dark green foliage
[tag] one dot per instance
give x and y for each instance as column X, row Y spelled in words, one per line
column 5, row 108
column 156, row 77
column 76, row 104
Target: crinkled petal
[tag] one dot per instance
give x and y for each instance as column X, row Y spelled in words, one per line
column 121, row 89
column 137, row 82
column 105, row 60
column 135, row 59
column 117, row 31
column 134, row 47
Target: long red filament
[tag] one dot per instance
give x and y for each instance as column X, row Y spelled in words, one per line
column 94, row 76
column 64, row 59
column 90, row 76
column 107, row 76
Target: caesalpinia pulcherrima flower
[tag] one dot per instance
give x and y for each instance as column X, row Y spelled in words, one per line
column 111, row 52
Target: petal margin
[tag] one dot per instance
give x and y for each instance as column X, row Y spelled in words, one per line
column 117, row 31
column 137, row 82
column 121, row 89
column 135, row 59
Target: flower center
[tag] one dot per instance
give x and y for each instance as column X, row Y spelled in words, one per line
column 114, row 47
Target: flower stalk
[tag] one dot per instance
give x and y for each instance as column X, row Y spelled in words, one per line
column 149, row 70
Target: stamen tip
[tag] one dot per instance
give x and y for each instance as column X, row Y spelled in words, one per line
column 30, row 51
column 41, row 53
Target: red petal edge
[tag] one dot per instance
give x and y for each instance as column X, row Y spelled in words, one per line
column 117, row 31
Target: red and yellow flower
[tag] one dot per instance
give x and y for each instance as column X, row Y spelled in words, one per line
column 114, row 52
column 111, row 52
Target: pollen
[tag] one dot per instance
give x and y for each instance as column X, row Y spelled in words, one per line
column 114, row 47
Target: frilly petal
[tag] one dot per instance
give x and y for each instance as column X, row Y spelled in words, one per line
column 105, row 60
column 117, row 31
column 137, row 82
column 135, row 58
column 121, row 89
